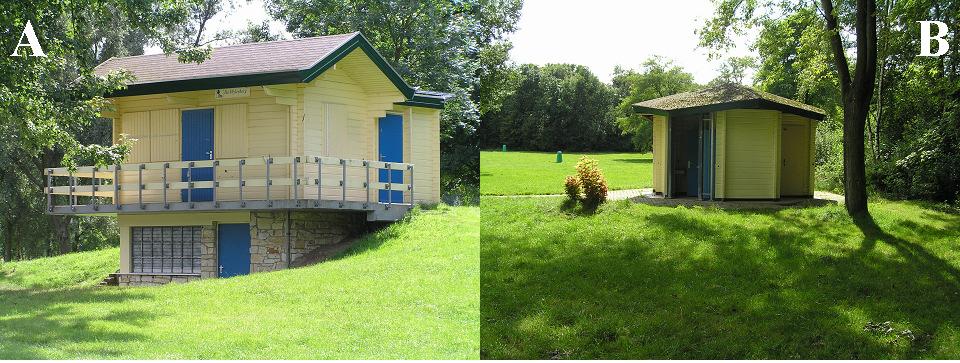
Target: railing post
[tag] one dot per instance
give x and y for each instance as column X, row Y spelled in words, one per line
column 70, row 191
column 269, row 182
column 410, row 168
column 389, row 186
column 296, row 182
column 116, row 186
column 366, row 166
column 190, row 184
column 240, row 181
column 319, row 181
column 216, row 204
column 50, row 190
column 343, row 183
column 140, row 185
column 93, row 189
column 165, row 186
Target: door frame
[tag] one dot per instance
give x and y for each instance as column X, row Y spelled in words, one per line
column 220, row 245
column 403, row 155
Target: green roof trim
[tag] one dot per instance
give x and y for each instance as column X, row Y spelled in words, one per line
column 725, row 97
column 414, row 96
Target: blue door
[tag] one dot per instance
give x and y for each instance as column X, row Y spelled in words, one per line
column 233, row 249
column 693, row 167
column 197, row 144
column 391, row 150
column 707, row 160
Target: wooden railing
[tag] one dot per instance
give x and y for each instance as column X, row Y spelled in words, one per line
column 258, row 182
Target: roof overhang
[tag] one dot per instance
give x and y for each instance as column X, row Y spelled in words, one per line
column 758, row 104
column 414, row 97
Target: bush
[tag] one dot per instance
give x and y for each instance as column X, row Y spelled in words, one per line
column 572, row 187
column 592, row 182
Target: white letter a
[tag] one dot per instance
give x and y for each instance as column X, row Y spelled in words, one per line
column 925, row 38
column 32, row 42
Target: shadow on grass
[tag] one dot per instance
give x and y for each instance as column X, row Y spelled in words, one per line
column 33, row 322
column 703, row 284
column 635, row 161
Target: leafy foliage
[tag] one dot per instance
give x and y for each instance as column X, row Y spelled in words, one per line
column 571, row 187
column 657, row 77
column 554, row 107
column 593, row 183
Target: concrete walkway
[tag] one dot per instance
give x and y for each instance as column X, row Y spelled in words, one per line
column 646, row 196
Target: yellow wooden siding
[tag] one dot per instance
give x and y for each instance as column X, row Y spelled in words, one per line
column 425, row 153
column 720, row 126
column 659, row 154
column 126, row 221
column 752, row 154
column 230, row 122
column 136, row 125
column 813, row 150
column 165, row 135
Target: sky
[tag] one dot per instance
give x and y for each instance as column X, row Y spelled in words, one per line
column 601, row 34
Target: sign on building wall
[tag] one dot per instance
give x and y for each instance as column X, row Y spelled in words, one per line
column 232, row 92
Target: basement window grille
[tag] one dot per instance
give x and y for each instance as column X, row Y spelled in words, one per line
column 166, row 250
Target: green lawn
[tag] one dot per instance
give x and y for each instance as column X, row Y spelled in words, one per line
column 522, row 172
column 409, row 291
column 638, row 281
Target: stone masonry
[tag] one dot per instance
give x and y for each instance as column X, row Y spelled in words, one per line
column 308, row 230
column 152, row 280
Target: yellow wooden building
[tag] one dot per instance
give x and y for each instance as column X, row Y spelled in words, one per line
column 732, row 142
column 257, row 156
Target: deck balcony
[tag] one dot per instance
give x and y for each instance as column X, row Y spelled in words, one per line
column 381, row 189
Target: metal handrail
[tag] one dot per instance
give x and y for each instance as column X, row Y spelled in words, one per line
column 311, row 173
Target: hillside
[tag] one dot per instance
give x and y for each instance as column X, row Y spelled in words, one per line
column 409, row 291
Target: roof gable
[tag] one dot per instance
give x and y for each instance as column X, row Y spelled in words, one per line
column 725, row 97
column 253, row 64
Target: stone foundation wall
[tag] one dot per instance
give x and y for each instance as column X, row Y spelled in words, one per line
column 152, row 280
column 308, row 230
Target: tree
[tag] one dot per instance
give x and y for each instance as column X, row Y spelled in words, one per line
column 657, row 77
column 732, row 16
column 434, row 44
column 733, row 70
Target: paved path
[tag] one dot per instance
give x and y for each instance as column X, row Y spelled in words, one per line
column 611, row 195
column 640, row 196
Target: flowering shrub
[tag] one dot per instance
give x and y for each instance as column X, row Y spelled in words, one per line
column 592, row 182
column 572, row 187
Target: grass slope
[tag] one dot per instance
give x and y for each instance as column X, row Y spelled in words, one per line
column 516, row 173
column 409, row 291
column 638, row 281
column 75, row 269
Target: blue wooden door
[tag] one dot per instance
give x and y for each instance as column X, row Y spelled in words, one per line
column 197, row 144
column 707, row 160
column 693, row 167
column 391, row 150
column 233, row 249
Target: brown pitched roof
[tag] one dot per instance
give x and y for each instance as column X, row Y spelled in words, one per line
column 253, row 64
column 252, row 58
column 724, row 97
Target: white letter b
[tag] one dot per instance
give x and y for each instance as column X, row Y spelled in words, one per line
column 925, row 38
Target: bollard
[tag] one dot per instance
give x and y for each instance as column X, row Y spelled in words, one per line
column 503, row 148
column 559, row 156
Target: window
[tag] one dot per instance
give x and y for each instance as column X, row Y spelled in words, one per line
column 166, row 250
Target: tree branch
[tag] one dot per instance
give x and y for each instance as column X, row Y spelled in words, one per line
column 836, row 45
column 865, row 74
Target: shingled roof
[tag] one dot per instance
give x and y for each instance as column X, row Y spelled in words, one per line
column 725, row 97
column 252, row 64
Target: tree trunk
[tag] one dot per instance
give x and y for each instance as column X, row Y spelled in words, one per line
column 7, row 242
column 854, row 172
column 61, row 230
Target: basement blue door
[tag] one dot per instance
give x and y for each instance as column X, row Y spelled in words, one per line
column 196, row 143
column 233, row 249
column 391, row 150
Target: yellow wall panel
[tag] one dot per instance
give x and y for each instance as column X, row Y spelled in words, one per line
column 752, row 156
column 230, row 139
column 136, row 125
column 165, row 135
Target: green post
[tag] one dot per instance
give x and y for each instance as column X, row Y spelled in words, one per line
column 559, row 156
column 503, row 148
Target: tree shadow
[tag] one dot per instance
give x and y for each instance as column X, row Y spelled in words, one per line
column 694, row 284
column 34, row 322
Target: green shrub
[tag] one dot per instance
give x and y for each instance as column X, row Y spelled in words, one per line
column 572, row 187
column 592, row 182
